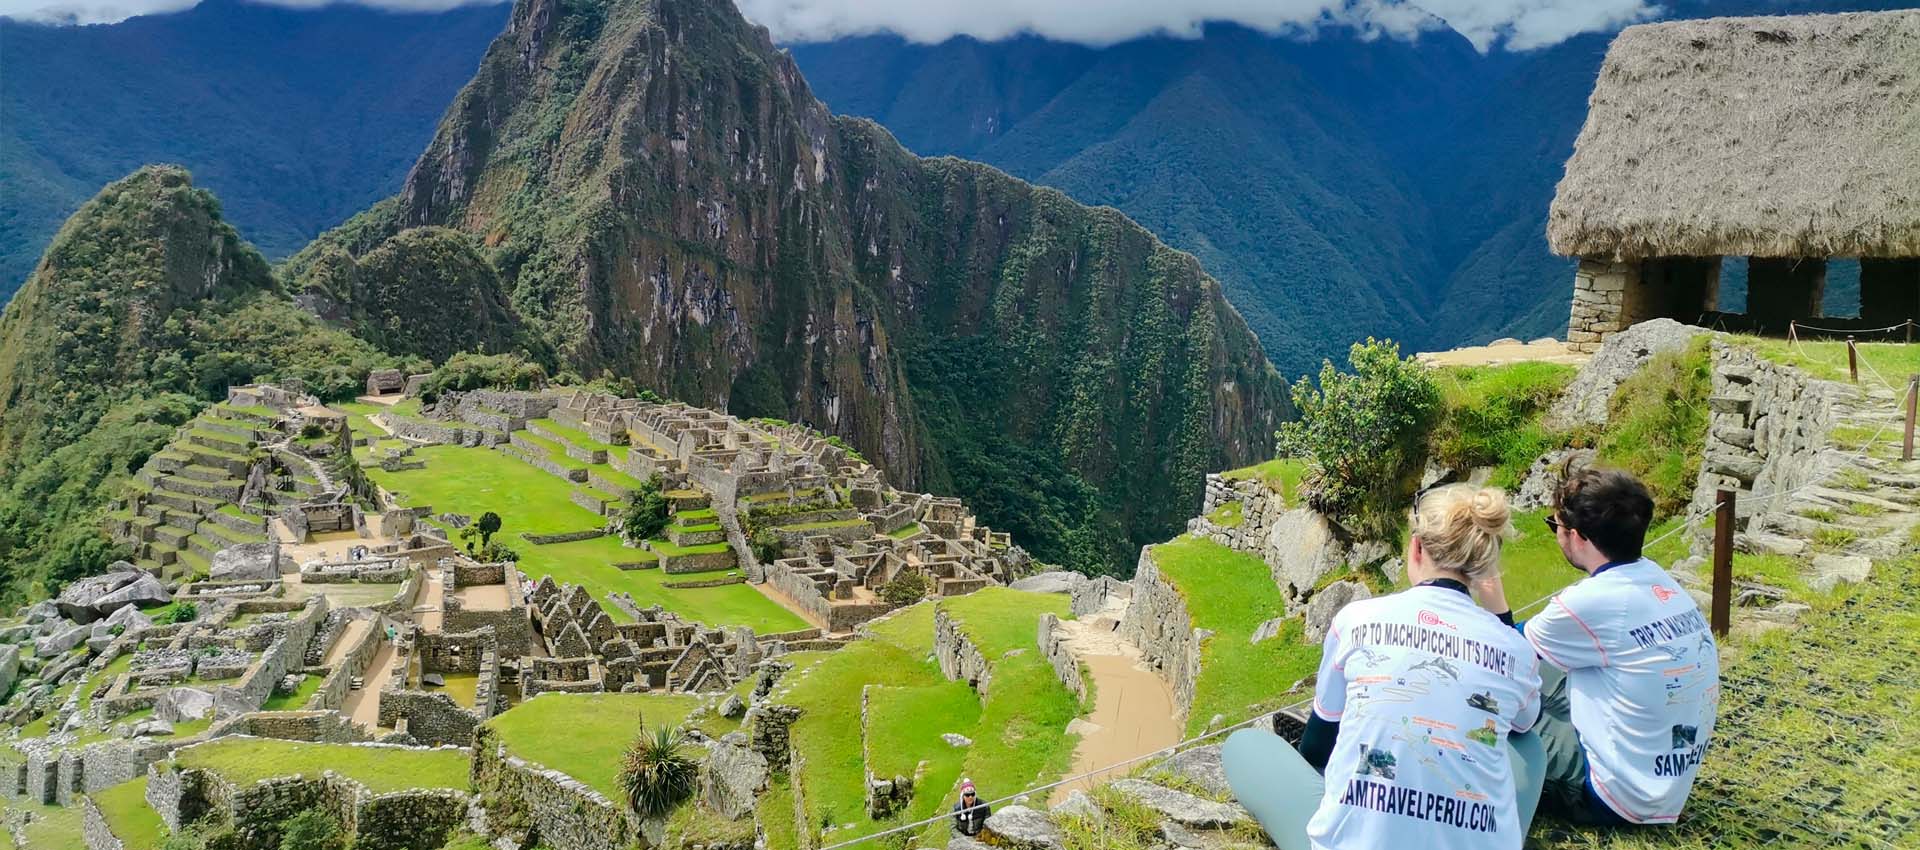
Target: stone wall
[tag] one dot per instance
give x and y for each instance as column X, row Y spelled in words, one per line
column 1260, row 507
column 432, row 717
column 339, row 680
column 1766, row 435
column 558, row 810
column 1089, row 597
column 418, row 819
column 960, row 659
column 1158, row 623
column 94, row 827
column 1065, row 666
column 1599, row 292
column 285, row 654
column 319, row 726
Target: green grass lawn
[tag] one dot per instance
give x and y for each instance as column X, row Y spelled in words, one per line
column 584, row 735
column 905, row 724
column 1826, row 359
column 474, row 480
column 905, row 531
column 589, row 563
column 247, row 760
column 125, row 809
column 53, row 827
column 581, row 438
column 1281, row 475
column 309, row 686
column 1232, row 593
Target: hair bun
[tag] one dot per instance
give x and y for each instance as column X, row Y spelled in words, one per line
column 1490, row 512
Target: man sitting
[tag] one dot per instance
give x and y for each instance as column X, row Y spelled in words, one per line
column 1624, row 727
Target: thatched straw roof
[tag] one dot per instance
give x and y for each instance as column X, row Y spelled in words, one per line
column 1778, row 137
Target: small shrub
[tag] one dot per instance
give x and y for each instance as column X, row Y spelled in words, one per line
column 184, row 612
column 312, row 431
column 1818, row 514
column 1865, row 509
column 1363, row 434
column 646, row 512
column 908, row 587
column 311, row 830
column 656, row 773
column 766, row 545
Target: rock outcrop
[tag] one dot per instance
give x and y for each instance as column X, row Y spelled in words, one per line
column 1585, row 400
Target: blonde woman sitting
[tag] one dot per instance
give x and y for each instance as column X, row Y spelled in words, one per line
column 1417, row 696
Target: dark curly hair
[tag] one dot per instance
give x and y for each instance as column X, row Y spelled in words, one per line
column 1608, row 507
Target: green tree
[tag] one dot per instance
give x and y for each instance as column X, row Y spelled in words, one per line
column 489, row 523
column 1363, row 434
column 312, row 830
column 657, row 773
column 646, row 511
column 908, row 587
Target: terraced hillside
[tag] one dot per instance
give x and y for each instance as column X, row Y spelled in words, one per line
column 192, row 498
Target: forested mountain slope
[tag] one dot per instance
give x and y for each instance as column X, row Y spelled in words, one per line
column 296, row 118
column 665, row 200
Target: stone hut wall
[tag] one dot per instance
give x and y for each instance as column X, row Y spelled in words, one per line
column 467, row 573
column 1159, row 624
column 1767, row 430
column 960, row 659
column 334, row 688
column 559, row 811
column 1090, row 596
column 1065, row 666
column 402, row 599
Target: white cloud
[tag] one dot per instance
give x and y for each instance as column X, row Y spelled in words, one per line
column 114, row 11
column 1516, row 24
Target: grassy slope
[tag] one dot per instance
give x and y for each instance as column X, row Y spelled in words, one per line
column 1232, row 593
column 244, row 760
column 125, row 809
column 1018, row 737
column 598, row 729
column 1892, row 361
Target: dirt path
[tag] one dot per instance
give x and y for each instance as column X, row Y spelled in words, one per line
column 363, row 706
column 338, row 651
column 1133, row 712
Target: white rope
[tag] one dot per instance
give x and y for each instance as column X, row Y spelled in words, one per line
column 1171, row 749
column 1806, row 327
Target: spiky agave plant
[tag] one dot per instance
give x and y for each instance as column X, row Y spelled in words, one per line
column 656, row 773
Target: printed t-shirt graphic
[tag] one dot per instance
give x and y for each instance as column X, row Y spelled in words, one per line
column 1643, row 675
column 1425, row 686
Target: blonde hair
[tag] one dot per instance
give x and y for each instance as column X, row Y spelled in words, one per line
column 1461, row 526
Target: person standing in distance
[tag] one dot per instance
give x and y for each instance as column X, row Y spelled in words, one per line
column 1417, row 696
column 1632, row 681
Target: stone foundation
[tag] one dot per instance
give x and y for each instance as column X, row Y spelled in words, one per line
column 1158, row 623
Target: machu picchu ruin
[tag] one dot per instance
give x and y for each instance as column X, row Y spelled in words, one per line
column 672, row 464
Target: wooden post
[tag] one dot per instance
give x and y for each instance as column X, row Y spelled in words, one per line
column 1909, row 331
column 1913, row 399
column 1793, row 335
column 1722, row 561
column 1853, row 361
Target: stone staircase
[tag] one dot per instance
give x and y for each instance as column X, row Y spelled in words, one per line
column 1861, row 506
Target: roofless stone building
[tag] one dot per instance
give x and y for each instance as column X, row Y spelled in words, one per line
column 1787, row 140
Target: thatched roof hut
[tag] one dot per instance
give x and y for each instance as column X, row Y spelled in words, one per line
column 1769, row 137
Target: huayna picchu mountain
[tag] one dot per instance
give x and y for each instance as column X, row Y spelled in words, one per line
column 665, row 200
column 146, row 305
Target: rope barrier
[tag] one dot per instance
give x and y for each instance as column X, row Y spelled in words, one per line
column 1688, row 522
column 1806, row 327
